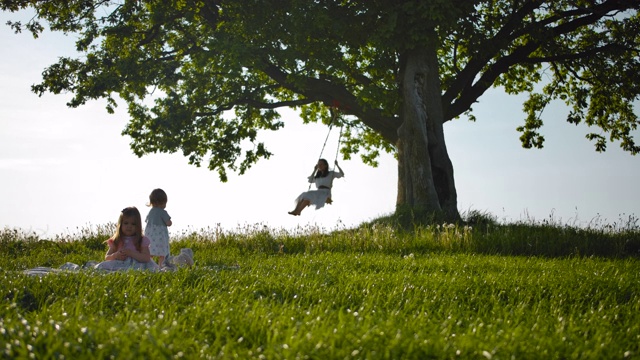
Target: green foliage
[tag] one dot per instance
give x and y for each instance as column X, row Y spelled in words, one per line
column 519, row 45
column 373, row 292
column 206, row 77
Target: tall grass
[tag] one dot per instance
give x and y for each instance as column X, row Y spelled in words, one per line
column 477, row 290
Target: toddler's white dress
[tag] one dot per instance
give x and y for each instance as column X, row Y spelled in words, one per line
column 156, row 230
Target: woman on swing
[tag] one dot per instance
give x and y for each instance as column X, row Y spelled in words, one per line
column 323, row 178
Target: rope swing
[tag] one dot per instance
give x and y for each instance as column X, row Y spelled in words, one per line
column 334, row 116
column 315, row 197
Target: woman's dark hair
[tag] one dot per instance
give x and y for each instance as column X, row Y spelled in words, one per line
column 324, row 173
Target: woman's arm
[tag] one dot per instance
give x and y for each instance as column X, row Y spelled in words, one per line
column 339, row 168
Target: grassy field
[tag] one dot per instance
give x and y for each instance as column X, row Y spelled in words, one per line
column 477, row 290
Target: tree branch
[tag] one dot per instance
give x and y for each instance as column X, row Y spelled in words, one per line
column 329, row 93
column 470, row 93
column 493, row 46
column 275, row 105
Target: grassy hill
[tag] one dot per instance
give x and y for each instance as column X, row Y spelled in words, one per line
column 389, row 289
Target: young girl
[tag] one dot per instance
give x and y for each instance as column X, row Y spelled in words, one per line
column 128, row 248
column 157, row 221
column 323, row 178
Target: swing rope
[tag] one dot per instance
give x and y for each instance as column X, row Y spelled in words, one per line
column 333, row 117
column 338, row 148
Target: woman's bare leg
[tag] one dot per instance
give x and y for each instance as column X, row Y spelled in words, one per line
column 301, row 205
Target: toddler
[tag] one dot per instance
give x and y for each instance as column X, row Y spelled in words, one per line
column 157, row 222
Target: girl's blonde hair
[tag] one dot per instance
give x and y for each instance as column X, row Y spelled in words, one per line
column 157, row 197
column 129, row 212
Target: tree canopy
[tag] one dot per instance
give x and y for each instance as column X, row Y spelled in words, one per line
column 218, row 71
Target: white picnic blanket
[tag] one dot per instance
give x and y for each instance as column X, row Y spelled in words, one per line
column 171, row 263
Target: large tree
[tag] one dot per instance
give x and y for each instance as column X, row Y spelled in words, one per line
column 396, row 71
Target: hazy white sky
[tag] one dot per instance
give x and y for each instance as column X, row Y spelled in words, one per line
column 65, row 169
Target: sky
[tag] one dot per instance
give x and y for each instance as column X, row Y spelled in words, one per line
column 64, row 170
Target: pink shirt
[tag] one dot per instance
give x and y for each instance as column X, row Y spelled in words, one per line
column 128, row 243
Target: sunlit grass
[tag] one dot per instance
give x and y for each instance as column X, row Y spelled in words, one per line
column 478, row 290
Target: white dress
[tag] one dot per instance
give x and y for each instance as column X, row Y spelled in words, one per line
column 319, row 197
column 156, row 230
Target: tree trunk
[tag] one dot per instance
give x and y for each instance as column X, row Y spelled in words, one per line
column 425, row 172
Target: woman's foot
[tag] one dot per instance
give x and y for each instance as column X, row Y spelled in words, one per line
column 294, row 213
